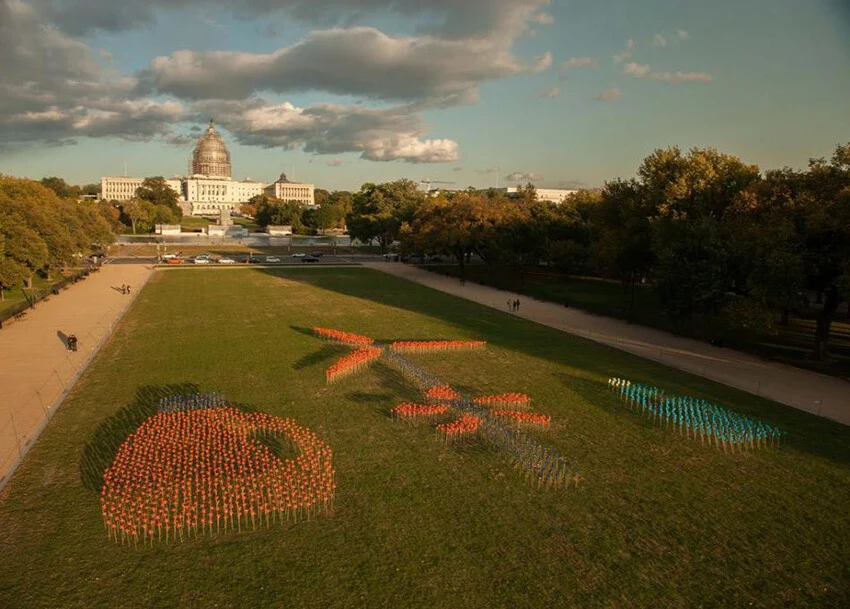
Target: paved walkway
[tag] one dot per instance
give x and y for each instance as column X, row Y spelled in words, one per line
column 818, row 394
column 37, row 371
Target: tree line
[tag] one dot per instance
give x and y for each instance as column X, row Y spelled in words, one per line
column 42, row 232
column 709, row 232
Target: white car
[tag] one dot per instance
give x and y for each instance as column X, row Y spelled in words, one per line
column 225, row 260
column 272, row 259
column 200, row 260
column 168, row 256
column 298, row 255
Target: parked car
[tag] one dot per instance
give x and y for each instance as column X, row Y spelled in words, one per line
column 317, row 254
column 309, row 259
column 175, row 261
column 298, row 255
column 272, row 259
column 168, row 256
column 202, row 260
column 226, row 260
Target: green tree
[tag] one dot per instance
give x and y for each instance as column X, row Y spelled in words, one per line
column 139, row 213
column 379, row 210
column 157, row 191
column 61, row 188
column 272, row 212
column 824, row 220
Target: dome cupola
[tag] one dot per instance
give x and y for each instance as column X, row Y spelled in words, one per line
column 211, row 157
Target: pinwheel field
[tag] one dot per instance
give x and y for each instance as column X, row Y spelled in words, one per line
column 456, row 456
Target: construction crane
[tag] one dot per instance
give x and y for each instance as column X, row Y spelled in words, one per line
column 429, row 182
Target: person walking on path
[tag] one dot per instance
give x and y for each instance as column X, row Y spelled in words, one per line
column 516, row 305
column 128, row 289
column 510, row 306
column 72, row 342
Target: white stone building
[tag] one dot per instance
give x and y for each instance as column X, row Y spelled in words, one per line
column 553, row 195
column 209, row 187
column 286, row 190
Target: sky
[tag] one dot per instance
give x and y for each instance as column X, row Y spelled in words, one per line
column 562, row 93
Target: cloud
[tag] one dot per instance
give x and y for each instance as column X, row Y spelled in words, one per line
column 635, row 69
column 678, row 77
column 334, row 163
column 543, row 19
column 487, row 170
column 626, row 53
column 53, row 89
column 522, row 176
column 682, row 34
column 571, row 184
column 378, row 134
column 457, row 169
column 580, row 62
column 643, row 71
column 550, row 94
column 359, row 61
column 449, row 18
column 608, row 95
column 659, row 41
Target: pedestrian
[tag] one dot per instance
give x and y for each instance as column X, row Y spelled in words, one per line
column 516, row 305
column 72, row 342
column 128, row 288
column 510, row 306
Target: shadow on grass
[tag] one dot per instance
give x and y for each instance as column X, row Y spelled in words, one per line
column 317, row 357
column 99, row 451
column 807, row 432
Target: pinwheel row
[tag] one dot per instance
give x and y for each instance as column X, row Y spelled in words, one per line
column 697, row 418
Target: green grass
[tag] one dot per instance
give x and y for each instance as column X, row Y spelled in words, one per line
column 792, row 344
column 658, row 520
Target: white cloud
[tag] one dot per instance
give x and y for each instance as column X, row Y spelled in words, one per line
column 550, row 94
column 635, row 69
column 334, row 163
column 378, row 134
column 580, row 62
column 543, row 19
column 678, row 77
column 659, row 41
column 682, row 34
column 626, row 53
column 457, row 169
column 522, row 176
column 608, row 95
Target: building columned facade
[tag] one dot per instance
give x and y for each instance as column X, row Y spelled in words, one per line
column 286, row 190
column 209, row 188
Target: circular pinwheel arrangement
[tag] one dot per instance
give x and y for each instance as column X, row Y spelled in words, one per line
column 201, row 466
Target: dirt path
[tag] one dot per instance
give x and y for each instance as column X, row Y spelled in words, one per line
column 821, row 395
column 37, row 370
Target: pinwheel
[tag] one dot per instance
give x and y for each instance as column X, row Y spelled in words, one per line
column 532, row 419
column 346, row 338
column 408, row 411
column 511, row 400
column 694, row 417
column 351, row 363
column 204, row 469
column 442, row 393
column 426, row 346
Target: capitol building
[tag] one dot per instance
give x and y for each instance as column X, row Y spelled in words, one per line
column 209, row 187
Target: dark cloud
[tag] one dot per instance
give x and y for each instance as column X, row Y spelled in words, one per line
column 358, row 61
column 448, row 18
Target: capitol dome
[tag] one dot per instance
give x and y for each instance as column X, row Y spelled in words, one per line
column 211, row 157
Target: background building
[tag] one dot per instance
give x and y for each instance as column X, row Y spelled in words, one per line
column 209, row 187
column 286, row 190
column 553, row 195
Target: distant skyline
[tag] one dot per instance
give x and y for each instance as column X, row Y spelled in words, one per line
column 339, row 92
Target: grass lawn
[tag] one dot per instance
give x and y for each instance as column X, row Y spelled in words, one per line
column 792, row 344
column 657, row 521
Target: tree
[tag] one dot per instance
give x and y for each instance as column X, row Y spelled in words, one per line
column 140, row 213
column 273, row 212
column 61, row 188
column 22, row 251
column 379, row 210
column 824, row 221
column 157, row 191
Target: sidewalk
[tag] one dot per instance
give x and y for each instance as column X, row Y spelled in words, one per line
column 36, row 370
column 818, row 394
